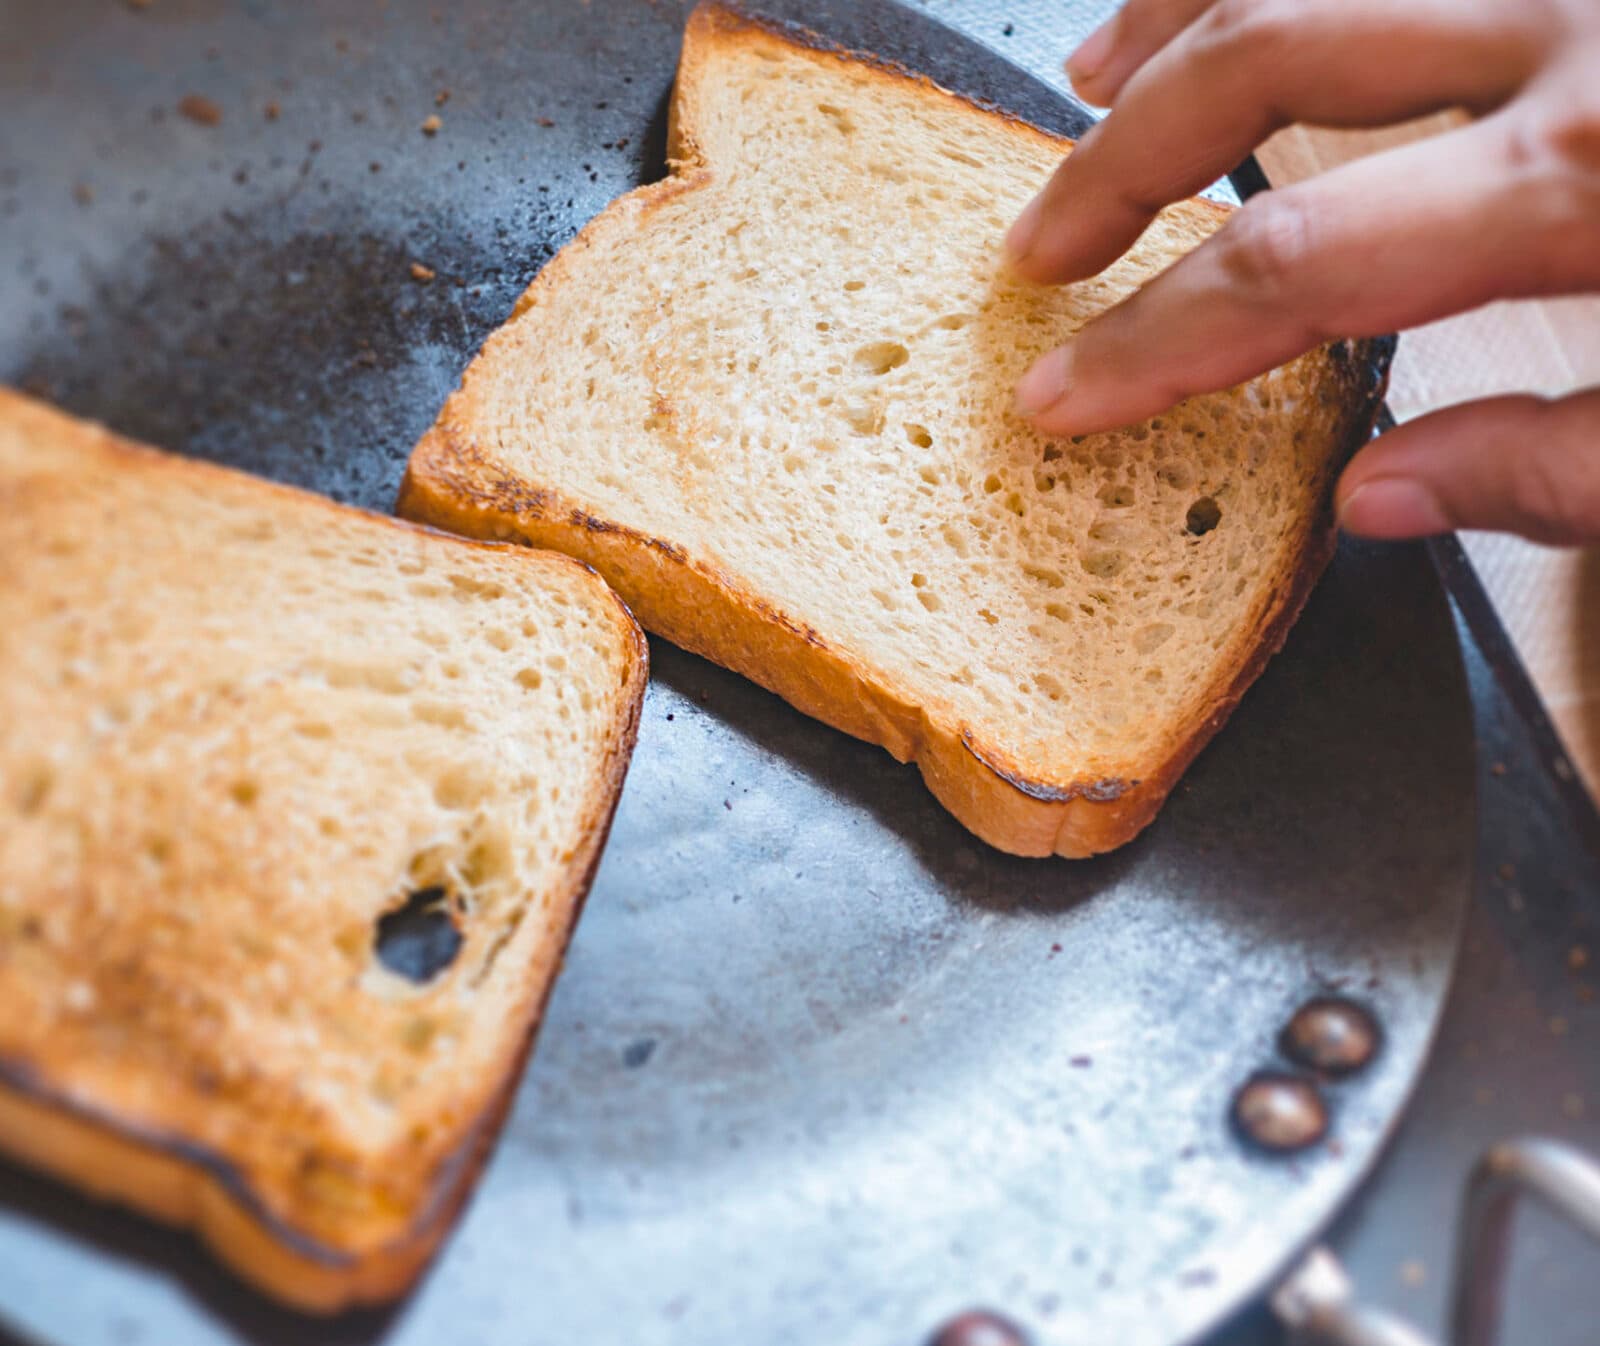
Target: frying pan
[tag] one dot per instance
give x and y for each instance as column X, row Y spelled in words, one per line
column 820, row 1067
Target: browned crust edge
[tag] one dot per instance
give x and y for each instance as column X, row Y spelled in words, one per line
column 171, row 1178
column 454, row 482
column 719, row 18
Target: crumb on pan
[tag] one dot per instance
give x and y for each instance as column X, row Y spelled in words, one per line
column 199, row 109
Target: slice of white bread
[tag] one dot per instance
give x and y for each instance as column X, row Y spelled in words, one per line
column 243, row 727
column 770, row 400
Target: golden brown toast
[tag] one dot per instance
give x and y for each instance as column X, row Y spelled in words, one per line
column 300, row 805
column 769, row 399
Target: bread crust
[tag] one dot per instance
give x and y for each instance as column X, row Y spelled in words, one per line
column 454, row 481
column 170, row 1176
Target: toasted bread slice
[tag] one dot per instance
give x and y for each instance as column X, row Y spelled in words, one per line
column 300, row 805
column 769, row 399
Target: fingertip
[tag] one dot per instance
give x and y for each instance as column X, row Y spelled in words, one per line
column 1046, row 384
column 1391, row 508
column 1086, row 85
column 1089, row 60
column 1024, row 232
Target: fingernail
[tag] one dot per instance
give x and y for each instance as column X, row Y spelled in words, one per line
column 1046, row 383
column 1020, row 237
column 1090, row 58
column 1393, row 507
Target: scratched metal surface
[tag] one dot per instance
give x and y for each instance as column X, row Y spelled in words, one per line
column 820, row 1067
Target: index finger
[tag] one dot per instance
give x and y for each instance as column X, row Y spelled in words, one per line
column 1241, row 71
column 1332, row 257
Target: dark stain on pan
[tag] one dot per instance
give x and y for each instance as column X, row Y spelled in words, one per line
column 276, row 355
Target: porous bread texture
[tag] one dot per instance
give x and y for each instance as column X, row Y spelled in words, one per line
column 241, row 725
column 771, row 400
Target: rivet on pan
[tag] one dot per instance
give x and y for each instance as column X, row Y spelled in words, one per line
column 1332, row 1036
column 1280, row 1112
column 979, row 1327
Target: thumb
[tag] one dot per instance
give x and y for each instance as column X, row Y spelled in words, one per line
column 1508, row 464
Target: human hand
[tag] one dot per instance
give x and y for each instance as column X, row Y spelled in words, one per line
column 1506, row 206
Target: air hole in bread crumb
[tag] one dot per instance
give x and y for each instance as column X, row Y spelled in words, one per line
column 852, row 286
column 435, row 713
column 991, row 484
column 919, row 436
column 35, row 790
column 821, row 327
column 881, row 356
column 1150, row 638
column 865, row 418
column 960, row 156
column 244, row 793
column 929, row 601
column 530, row 679
column 490, row 860
column 419, row 939
column 459, row 788
column 842, row 121
column 1045, row 575
column 474, row 586
column 953, row 322
column 1116, row 496
column 988, row 616
column 1204, row 515
column 314, row 729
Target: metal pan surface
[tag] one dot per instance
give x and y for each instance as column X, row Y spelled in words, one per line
column 821, row 1067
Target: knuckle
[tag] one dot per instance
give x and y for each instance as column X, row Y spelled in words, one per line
column 1265, row 246
column 1564, row 129
column 1554, row 157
